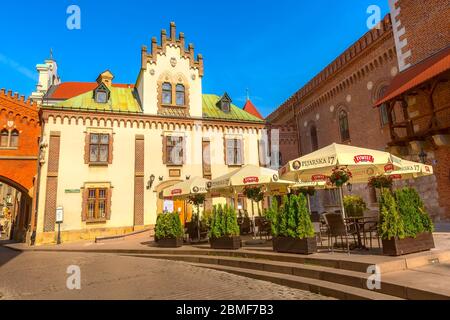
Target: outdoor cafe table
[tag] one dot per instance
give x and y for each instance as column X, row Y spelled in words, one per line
column 359, row 223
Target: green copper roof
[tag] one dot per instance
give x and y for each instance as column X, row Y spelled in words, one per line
column 121, row 100
column 212, row 111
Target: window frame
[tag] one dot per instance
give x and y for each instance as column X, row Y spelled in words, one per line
column 170, row 144
column 238, row 146
column 180, row 91
column 97, row 96
column 14, row 138
column 97, row 200
column 344, row 132
column 4, row 134
column 165, row 91
column 99, row 144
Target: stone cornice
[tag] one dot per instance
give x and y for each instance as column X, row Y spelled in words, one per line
column 139, row 120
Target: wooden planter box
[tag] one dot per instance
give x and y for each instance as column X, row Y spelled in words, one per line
column 230, row 243
column 292, row 245
column 397, row 247
column 169, row 242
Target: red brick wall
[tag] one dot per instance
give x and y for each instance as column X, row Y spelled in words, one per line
column 427, row 26
column 442, row 173
column 19, row 164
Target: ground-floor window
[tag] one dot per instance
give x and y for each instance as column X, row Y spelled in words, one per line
column 97, row 204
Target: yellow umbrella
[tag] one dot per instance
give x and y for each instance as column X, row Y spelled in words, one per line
column 187, row 188
column 317, row 166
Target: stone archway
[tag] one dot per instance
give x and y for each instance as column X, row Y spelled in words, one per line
column 16, row 202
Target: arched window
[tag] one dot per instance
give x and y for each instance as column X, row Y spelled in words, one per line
column 384, row 117
column 4, row 138
column 343, row 125
column 314, row 140
column 180, row 95
column 14, row 142
column 166, row 93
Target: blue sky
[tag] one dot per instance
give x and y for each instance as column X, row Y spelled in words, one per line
column 270, row 47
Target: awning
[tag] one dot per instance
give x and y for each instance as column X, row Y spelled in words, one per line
column 417, row 74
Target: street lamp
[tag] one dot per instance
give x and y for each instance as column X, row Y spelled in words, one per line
column 423, row 156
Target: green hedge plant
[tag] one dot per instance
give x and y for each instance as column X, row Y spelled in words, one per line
column 354, row 206
column 412, row 210
column 223, row 222
column 292, row 219
column 168, row 226
column 391, row 222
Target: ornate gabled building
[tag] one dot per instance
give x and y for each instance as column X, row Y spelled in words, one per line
column 114, row 148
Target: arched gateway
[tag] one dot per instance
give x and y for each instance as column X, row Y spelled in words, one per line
column 19, row 149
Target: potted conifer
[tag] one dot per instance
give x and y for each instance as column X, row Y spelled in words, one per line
column 169, row 231
column 224, row 229
column 292, row 229
column 405, row 226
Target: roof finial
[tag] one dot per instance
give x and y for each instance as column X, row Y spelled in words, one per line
column 248, row 95
column 51, row 53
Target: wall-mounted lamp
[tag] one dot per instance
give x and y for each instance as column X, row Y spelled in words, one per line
column 161, row 178
column 188, row 177
column 423, row 156
column 150, row 182
column 349, row 187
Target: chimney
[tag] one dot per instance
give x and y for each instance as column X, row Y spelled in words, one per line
column 106, row 78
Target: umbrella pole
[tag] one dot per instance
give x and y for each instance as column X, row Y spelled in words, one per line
column 253, row 218
column 341, row 192
column 198, row 222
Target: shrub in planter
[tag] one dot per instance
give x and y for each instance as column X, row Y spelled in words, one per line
column 169, row 231
column 292, row 228
column 405, row 227
column 354, row 206
column 224, row 229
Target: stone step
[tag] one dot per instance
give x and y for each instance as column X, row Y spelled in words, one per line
column 338, row 276
column 326, row 288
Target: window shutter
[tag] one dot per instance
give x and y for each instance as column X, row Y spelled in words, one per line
column 183, row 144
column 87, row 140
column 84, row 203
column 225, row 151
column 240, row 145
column 164, row 149
column 108, row 203
column 110, row 148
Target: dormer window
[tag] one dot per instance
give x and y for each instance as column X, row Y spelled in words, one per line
column 225, row 103
column 101, row 94
column 101, row 97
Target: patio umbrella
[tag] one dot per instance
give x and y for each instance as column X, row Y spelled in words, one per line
column 186, row 189
column 361, row 162
column 411, row 170
column 250, row 175
column 318, row 165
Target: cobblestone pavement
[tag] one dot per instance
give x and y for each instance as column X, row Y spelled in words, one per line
column 42, row 275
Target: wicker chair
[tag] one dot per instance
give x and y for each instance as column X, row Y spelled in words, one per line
column 338, row 228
